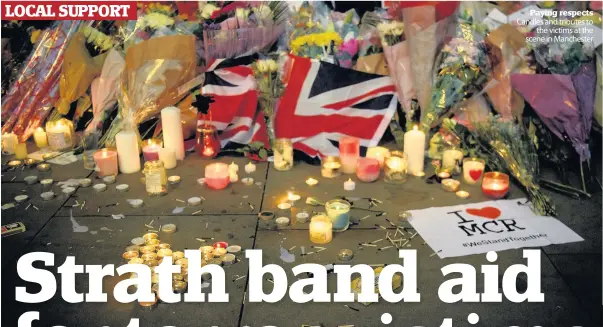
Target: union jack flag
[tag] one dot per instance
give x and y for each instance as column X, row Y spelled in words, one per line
column 321, row 103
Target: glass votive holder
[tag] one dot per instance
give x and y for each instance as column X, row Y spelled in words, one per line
column 396, row 168
column 495, row 185
column 473, row 170
column 60, row 134
column 452, row 158
column 338, row 211
column 321, row 229
column 283, row 154
column 208, row 144
column 330, row 167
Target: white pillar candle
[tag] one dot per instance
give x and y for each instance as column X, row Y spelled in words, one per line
column 40, row 138
column 378, row 152
column 128, row 154
column 172, row 131
column 414, row 147
column 349, row 185
column 168, row 157
column 9, row 142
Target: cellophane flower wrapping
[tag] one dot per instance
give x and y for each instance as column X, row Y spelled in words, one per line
column 32, row 96
column 270, row 87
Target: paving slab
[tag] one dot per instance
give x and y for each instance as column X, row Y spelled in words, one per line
column 414, row 194
column 104, row 243
column 34, row 213
column 237, row 198
column 559, row 309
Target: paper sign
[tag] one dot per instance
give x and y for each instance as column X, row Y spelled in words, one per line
column 488, row 226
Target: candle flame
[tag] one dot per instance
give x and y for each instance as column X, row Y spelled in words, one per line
column 39, row 129
column 415, row 128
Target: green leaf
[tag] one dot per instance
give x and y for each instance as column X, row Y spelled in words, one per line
column 263, row 153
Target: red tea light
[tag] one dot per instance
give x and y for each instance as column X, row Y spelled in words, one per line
column 368, row 169
column 495, row 185
column 220, row 245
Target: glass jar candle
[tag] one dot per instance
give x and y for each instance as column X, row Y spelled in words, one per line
column 338, row 212
column 451, row 160
column 150, row 149
column 155, row 179
column 349, row 153
column 378, row 152
column 368, row 169
column 60, row 134
column 473, row 170
column 495, row 185
column 396, row 168
column 208, row 144
column 217, row 176
column 106, row 162
column 321, row 229
column 330, row 167
column 283, row 154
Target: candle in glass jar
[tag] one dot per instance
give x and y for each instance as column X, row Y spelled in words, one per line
column 321, row 230
column 40, row 138
column 168, row 157
column 283, row 154
column 21, row 151
column 60, row 134
column 414, row 147
column 473, row 170
column 368, row 169
column 349, row 153
column 150, row 150
column 495, row 185
column 106, row 162
column 9, row 142
column 378, row 152
column 331, row 167
column 338, row 212
column 396, row 168
column 451, row 159
column 217, row 176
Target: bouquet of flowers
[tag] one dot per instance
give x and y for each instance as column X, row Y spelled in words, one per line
column 462, row 69
column 316, row 45
column 270, row 88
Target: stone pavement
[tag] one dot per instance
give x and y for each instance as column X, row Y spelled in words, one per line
column 571, row 273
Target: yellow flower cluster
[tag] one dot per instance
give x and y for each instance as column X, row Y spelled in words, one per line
column 98, row 38
column 317, row 39
column 158, row 7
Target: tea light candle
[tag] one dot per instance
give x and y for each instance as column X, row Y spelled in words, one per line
column 174, row 180
column 292, row 197
column 321, row 230
column 85, row 182
column 302, row 217
column 368, row 169
column 349, row 185
column 194, row 201
column 282, row 222
column 127, row 152
column 495, row 185
column 150, row 150
column 21, row 198
column 234, row 177
column 15, row 163
column 284, row 209
column 395, row 168
column 100, row 187
column 473, row 170
column 21, row 151
column 247, row 181
column 331, row 167
column 217, row 176
column 46, row 182
column 462, row 194
column 414, row 147
column 9, row 141
column 109, row 179
column 250, row 168
column 311, row 181
column 233, row 168
column 338, row 212
column 136, row 203
column 173, row 138
column 378, row 152
column 40, row 138
column 228, row 259
column 122, row 187
column 451, row 159
column 29, row 180
column 349, row 153
column 68, row 190
column 168, row 157
column 47, row 195
column 451, row 185
column 43, row 167
column 106, row 162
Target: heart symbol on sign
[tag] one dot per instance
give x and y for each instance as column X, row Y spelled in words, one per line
column 486, row 212
column 475, row 174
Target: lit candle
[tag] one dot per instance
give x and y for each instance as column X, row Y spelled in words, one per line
column 250, row 168
column 172, row 131
column 60, row 134
column 311, row 181
column 9, row 142
column 21, row 151
column 395, row 168
column 378, row 152
column 233, row 167
column 495, row 185
column 234, row 177
column 168, row 156
column 150, row 150
column 331, row 167
column 40, row 138
column 473, row 170
column 127, row 151
column 106, row 162
column 451, row 185
column 349, row 152
column 208, row 152
column 451, row 159
column 368, row 170
column 217, row 176
column 321, row 230
column 414, row 147
column 292, row 197
column 338, row 212
column 283, row 154
column 349, row 185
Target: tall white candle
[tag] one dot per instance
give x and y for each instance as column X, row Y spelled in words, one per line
column 172, row 131
column 414, row 147
column 128, row 153
column 168, row 157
